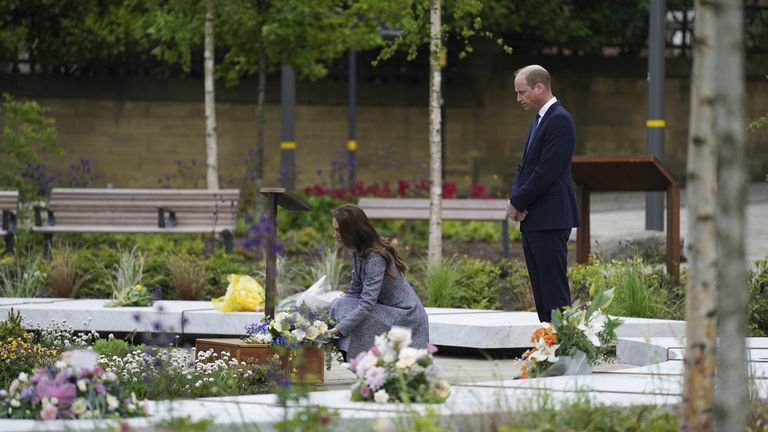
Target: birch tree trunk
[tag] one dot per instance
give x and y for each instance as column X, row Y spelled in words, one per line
column 435, row 252
column 701, row 301
column 211, row 146
column 731, row 405
column 258, row 157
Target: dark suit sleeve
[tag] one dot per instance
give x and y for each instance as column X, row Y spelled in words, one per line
column 558, row 142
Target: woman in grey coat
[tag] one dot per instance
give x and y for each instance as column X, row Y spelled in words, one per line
column 379, row 297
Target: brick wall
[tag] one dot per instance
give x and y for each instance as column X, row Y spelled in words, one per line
column 134, row 130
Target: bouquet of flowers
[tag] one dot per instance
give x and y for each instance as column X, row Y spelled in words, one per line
column 65, row 392
column 298, row 327
column 578, row 332
column 393, row 371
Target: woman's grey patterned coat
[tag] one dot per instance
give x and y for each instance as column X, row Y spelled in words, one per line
column 375, row 303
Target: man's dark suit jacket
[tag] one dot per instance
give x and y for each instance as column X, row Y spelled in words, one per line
column 543, row 182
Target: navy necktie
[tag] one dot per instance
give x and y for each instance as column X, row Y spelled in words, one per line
column 534, row 126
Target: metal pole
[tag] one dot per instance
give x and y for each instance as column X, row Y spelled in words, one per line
column 352, row 116
column 288, row 143
column 655, row 125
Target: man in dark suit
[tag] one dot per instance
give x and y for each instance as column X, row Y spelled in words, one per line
column 542, row 196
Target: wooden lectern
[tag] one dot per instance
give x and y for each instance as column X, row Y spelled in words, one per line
column 287, row 200
column 641, row 173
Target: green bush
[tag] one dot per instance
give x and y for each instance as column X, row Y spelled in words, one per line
column 27, row 135
column 116, row 347
column 758, row 299
column 12, row 326
column 96, row 261
column 642, row 290
column 441, row 283
column 515, row 290
column 478, row 286
column 475, row 230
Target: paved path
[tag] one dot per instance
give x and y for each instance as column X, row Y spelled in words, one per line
column 613, row 223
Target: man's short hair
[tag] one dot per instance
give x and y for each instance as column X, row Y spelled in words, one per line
column 535, row 74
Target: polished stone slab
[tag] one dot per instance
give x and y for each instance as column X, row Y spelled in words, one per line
column 465, row 328
column 651, row 350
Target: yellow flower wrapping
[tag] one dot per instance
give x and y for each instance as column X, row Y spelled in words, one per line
column 244, row 294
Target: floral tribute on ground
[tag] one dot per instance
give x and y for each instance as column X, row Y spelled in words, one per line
column 66, row 392
column 393, row 371
column 294, row 329
column 575, row 340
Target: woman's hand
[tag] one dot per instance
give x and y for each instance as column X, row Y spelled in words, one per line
column 334, row 332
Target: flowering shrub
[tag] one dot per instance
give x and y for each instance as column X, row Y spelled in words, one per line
column 21, row 354
column 404, row 189
column 62, row 336
column 578, row 328
column 393, row 371
column 158, row 374
column 64, row 392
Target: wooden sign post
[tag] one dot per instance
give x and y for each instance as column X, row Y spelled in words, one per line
column 287, row 200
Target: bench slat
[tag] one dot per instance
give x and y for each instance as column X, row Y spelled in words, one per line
column 418, row 208
column 140, row 229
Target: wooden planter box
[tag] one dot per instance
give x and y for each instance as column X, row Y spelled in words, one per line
column 309, row 363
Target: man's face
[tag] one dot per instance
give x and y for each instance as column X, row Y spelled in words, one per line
column 527, row 97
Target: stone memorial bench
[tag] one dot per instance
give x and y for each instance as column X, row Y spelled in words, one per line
column 9, row 203
column 145, row 211
column 453, row 209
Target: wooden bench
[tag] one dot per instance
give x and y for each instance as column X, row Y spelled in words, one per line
column 165, row 211
column 453, row 209
column 9, row 203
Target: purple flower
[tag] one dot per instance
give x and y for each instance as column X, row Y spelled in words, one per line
column 99, row 387
column 375, row 377
column 431, row 349
column 365, row 392
column 26, row 392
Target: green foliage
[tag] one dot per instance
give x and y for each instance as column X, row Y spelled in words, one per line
column 126, row 281
column 478, row 285
column 116, row 347
column 328, row 264
column 461, row 283
column 96, row 261
column 188, row 276
column 515, row 290
column 183, row 424
column 758, row 300
column 441, row 282
column 12, row 326
column 28, row 135
column 22, row 275
column 64, row 279
column 642, row 290
column 584, row 414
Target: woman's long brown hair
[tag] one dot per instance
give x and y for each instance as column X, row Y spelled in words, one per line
column 357, row 232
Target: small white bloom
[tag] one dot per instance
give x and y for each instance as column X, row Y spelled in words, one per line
column 15, row 403
column 23, row 377
column 299, row 334
column 400, row 336
column 321, row 326
column 82, row 385
column 312, row 333
column 381, row 396
column 112, row 402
